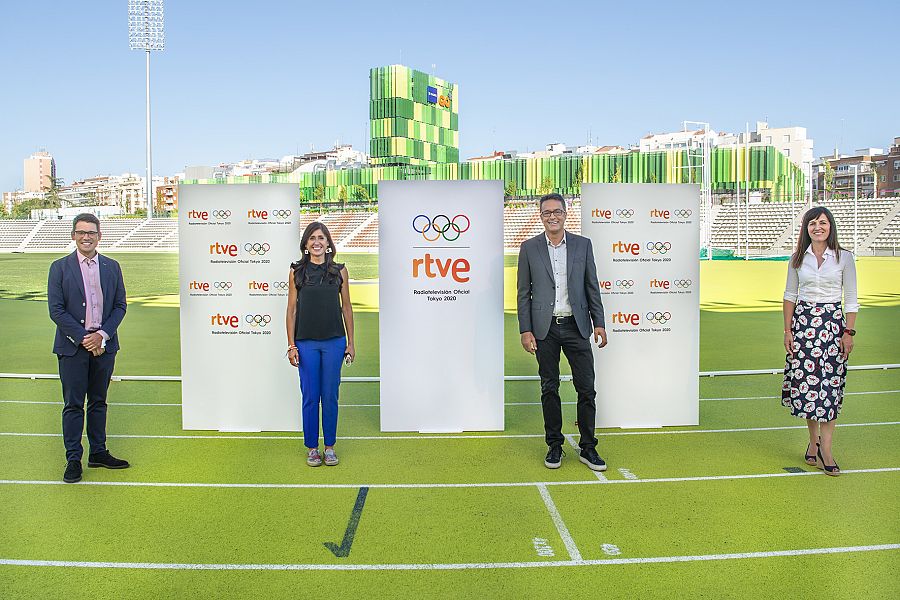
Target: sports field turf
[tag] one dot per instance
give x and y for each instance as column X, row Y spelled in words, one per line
column 726, row 509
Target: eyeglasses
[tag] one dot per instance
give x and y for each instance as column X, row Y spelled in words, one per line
column 553, row 213
column 81, row 233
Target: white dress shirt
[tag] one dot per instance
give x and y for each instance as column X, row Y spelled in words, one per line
column 558, row 258
column 823, row 285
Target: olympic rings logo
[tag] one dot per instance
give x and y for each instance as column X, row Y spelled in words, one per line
column 440, row 226
column 221, row 214
column 281, row 214
column 625, row 213
column 280, row 286
column 659, row 318
column 682, row 283
column 625, row 284
column 222, row 285
column 682, row 213
column 257, row 249
column 658, row 247
column 258, row 320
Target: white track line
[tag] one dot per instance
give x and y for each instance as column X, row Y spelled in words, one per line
column 501, row 484
column 577, row 448
column 448, row 436
column 569, row 543
column 443, row 566
column 378, row 405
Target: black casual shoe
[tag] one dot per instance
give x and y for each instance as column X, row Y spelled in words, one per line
column 73, row 472
column 107, row 460
column 554, row 457
column 590, row 457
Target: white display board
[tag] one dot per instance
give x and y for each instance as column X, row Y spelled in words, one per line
column 236, row 244
column 441, row 305
column 646, row 240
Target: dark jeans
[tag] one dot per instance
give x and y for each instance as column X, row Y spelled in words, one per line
column 578, row 352
column 84, row 375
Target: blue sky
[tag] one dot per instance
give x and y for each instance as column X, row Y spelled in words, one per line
column 250, row 80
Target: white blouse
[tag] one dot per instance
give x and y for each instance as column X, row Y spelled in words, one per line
column 811, row 283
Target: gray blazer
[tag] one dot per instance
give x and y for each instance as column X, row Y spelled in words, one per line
column 537, row 289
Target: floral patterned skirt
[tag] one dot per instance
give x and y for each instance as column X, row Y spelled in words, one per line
column 814, row 378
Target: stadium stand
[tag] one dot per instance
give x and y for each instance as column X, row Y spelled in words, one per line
column 773, row 228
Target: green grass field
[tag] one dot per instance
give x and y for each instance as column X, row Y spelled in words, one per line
column 726, row 509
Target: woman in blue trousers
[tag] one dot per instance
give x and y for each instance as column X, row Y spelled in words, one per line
column 320, row 336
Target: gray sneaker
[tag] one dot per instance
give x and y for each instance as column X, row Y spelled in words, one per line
column 331, row 458
column 313, row 458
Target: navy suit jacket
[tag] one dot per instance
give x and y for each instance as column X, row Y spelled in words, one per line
column 68, row 308
column 536, row 289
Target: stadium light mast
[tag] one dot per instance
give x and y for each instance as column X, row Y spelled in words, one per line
column 705, row 181
column 146, row 31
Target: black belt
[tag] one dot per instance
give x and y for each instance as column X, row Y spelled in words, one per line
column 563, row 320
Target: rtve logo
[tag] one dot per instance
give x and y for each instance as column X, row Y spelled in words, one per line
column 206, row 215
column 660, row 214
column 220, row 320
column 441, row 226
column 227, row 249
column 633, row 248
column 258, row 286
column 457, row 268
column 624, row 318
column 265, row 214
column 657, row 284
column 205, row 286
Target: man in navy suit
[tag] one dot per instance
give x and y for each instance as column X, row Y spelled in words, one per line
column 559, row 307
column 86, row 295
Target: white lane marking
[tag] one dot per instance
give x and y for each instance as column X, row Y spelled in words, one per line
column 569, row 543
column 448, row 436
column 500, row 484
column 577, row 448
column 443, row 566
column 378, row 405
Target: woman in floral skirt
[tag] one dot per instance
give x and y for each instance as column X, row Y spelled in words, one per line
column 818, row 332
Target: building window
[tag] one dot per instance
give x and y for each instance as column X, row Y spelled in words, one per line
column 768, row 140
column 787, row 152
column 896, row 178
column 897, row 164
column 786, row 139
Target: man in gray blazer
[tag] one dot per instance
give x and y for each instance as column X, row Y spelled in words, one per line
column 559, row 307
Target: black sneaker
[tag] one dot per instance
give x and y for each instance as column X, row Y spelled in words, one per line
column 106, row 460
column 590, row 457
column 73, row 472
column 554, row 457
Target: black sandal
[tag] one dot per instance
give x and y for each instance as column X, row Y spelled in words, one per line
column 832, row 470
column 811, row 458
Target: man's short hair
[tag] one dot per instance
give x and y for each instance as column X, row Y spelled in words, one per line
column 86, row 218
column 553, row 196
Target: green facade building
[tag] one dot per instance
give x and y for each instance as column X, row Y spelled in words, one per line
column 414, row 127
column 414, row 118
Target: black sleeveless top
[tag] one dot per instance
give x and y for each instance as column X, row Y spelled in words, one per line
column 319, row 315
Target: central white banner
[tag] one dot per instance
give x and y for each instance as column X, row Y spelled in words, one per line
column 647, row 249
column 441, row 305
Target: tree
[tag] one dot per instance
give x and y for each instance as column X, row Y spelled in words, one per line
column 342, row 194
column 653, row 177
column 578, row 178
column 319, row 193
column 511, row 189
column 617, row 176
column 4, row 214
column 546, row 185
column 360, row 192
column 829, row 178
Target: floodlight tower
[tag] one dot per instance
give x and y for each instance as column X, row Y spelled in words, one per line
column 146, row 31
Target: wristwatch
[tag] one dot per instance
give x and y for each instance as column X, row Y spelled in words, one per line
column 852, row 332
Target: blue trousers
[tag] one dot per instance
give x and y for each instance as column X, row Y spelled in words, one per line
column 84, row 375
column 320, row 376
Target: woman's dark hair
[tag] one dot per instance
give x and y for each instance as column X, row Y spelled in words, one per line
column 803, row 241
column 332, row 269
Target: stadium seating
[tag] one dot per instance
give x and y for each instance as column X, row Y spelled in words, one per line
column 773, row 228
